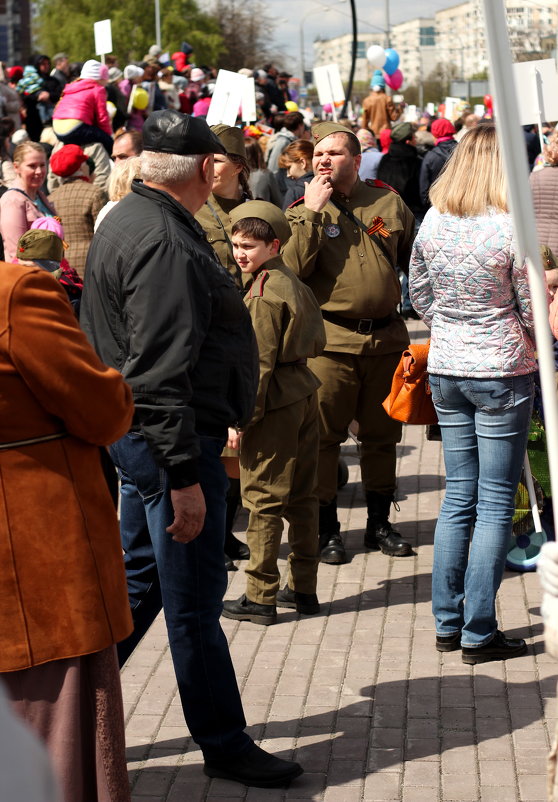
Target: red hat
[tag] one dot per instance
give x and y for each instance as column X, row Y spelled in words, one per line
column 442, row 129
column 15, row 73
column 67, row 160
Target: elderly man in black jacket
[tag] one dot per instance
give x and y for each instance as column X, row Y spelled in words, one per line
column 159, row 307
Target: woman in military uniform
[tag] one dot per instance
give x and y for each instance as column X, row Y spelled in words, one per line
column 230, row 188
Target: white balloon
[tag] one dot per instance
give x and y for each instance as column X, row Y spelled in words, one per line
column 376, row 55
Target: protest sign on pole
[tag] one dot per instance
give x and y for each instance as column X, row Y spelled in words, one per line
column 536, row 84
column 227, row 97
column 329, row 86
column 103, row 38
column 512, row 143
column 249, row 114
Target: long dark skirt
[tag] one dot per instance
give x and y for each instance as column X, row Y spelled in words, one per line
column 75, row 706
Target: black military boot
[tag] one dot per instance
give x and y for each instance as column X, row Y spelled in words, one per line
column 379, row 532
column 235, row 549
column 332, row 550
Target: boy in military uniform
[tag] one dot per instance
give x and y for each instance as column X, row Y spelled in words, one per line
column 279, row 453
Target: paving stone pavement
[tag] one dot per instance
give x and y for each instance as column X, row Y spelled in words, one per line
column 358, row 694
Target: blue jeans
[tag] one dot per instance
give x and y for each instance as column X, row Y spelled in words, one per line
column 191, row 579
column 485, row 424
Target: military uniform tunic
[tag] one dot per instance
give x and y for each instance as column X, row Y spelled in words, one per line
column 353, row 280
column 279, row 451
column 213, row 217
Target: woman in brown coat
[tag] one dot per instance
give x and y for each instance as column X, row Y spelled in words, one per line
column 63, row 597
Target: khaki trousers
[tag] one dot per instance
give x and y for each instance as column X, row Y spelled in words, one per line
column 353, row 387
column 278, row 475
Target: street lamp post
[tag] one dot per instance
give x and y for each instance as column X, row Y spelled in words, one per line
column 157, row 24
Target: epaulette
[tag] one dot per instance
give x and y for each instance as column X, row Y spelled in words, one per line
column 375, row 182
column 296, row 202
column 257, row 288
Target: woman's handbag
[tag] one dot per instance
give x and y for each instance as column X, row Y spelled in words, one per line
column 410, row 399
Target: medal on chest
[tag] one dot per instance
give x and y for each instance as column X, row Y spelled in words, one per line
column 332, row 230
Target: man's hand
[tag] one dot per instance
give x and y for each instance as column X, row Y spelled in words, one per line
column 43, row 96
column 189, row 513
column 234, row 438
column 317, row 193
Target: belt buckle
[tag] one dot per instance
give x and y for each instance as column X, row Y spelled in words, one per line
column 365, row 325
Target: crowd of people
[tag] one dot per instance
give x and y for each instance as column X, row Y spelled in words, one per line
column 223, row 303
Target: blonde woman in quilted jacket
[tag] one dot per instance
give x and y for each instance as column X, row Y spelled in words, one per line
column 471, row 290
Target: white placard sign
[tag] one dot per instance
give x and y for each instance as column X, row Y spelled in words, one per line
column 249, row 113
column 536, row 87
column 227, row 97
column 103, row 37
column 430, row 109
column 479, row 109
column 411, row 114
column 328, row 83
column 451, row 103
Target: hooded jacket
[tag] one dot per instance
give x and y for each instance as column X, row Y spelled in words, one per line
column 86, row 101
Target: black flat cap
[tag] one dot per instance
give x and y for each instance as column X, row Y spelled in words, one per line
column 171, row 131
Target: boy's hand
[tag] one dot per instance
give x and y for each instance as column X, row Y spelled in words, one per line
column 234, row 439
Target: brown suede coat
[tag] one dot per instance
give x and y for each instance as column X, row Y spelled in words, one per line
column 62, row 582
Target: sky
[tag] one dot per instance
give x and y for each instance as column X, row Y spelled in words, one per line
column 317, row 21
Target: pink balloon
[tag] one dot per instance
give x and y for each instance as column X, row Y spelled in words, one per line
column 327, row 108
column 394, row 81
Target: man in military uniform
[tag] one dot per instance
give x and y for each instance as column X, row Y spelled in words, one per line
column 347, row 239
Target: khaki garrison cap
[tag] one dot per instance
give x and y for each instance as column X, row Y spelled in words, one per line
column 231, row 138
column 264, row 211
column 321, row 130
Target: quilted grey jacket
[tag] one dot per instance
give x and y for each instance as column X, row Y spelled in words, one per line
column 471, row 291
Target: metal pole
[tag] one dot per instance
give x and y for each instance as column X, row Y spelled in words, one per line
column 353, row 60
column 521, row 205
column 388, row 26
column 302, row 71
column 157, row 24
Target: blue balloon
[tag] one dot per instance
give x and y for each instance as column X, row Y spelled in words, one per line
column 392, row 61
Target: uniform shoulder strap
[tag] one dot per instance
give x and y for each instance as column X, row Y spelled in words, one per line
column 375, row 182
column 257, row 288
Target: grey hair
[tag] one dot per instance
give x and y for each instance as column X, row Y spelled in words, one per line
column 168, row 168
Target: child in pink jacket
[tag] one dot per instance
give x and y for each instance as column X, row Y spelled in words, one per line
column 81, row 115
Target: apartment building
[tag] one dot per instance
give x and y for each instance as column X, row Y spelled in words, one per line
column 415, row 41
column 454, row 37
column 15, row 31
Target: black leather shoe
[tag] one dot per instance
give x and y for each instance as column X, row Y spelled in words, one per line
column 244, row 610
column 235, row 548
column 382, row 537
column 448, row 643
column 332, row 550
column 255, row 768
column 499, row 648
column 229, row 565
column 304, row 603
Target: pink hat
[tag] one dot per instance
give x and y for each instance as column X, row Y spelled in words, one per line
column 49, row 224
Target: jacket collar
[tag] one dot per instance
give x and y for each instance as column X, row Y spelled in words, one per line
column 167, row 200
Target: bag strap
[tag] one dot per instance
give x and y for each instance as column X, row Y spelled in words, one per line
column 354, row 219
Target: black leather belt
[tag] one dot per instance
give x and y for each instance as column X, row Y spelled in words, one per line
column 290, row 364
column 365, row 325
